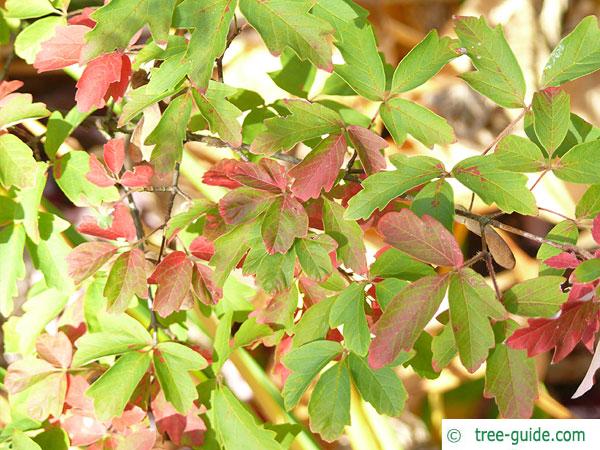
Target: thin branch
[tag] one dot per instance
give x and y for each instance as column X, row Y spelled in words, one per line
column 538, row 180
column 175, row 185
column 506, row 130
column 527, row 235
column 476, row 258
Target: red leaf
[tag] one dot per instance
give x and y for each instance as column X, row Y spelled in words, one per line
column 183, row 430
column 203, row 285
column 114, row 155
column 57, row 349
column 117, row 89
column 85, row 259
column 596, row 229
column 368, row 145
column 7, row 87
column 62, row 50
column 425, row 239
column 174, row 278
column 405, row 318
column 243, row 204
column 97, row 78
column 202, row 248
column 319, row 169
column 122, row 225
column 267, row 175
column 563, row 260
column 97, row 173
column 578, row 322
column 84, row 18
column 82, row 430
column 218, row 175
column 141, row 176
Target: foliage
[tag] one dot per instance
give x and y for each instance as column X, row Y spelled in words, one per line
column 127, row 358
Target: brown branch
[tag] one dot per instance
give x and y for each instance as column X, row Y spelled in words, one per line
column 506, row 130
column 175, row 187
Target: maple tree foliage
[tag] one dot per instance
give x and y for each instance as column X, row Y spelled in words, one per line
column 315, row 234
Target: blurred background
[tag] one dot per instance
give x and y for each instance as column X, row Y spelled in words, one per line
column 533, row 28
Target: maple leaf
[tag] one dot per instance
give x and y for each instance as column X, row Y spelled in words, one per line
column 579, row 321
column 202, row 248
column 122, row 225
column 423, row 238
column 85, row 259
column 173, row 275
column 203, row 285
column 182, row 429
column 104, row 77
column 244, row 204
column 405, row 318
column 319, row 169
column 97, row 173
column 284, row 221
column 218, row 175
column 83, row 18
column 127, row 278
column 369, row 146
column 114, row 155
column 62, row 50
column 564, row 260
column 139, row 177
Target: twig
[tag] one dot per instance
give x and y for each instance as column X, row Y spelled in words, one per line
column 170, row 205
column 472, row 260
column 506, row 130
column 527, row 235
column 538, row 180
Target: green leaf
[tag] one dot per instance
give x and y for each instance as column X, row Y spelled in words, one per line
column 404, row 319
column 354, row 38
column 198, row 208
column 508, row 190
column 424, row 61
column 565, row 232
column 231, row 247
column 381, row 388
column 589, row 203
column 274, row 273
column 12, row 265
column 59, row 128
column 118, row 334
column 30, row 9
column 347, row 234
column 210, row 21
column 348, row 310
column 329, row 406
column 443, row 348
column 112, row 391
column 402, row 116
column 422, row 358
column 394, row 263
column 221, row 115
column 588, row 271
column 17, row 165
column 19, row 108
column 50, row 254
column 284, row 24
column 579, row 131
column 305, row 121
column 305, row 363
column 295, row 76
column 538, row 297
column 518, row 154
column 29, row 41
column 472, row 301
column 234, row 426
column 313, row 255
column 39, row 309
column 314, row 323
column 119, row 20
column 387, row 289
column 436, row 199
column 221, row 344
column 498, row 75
column 510, row 377
column 172, row 362
column 381, row 188
column 576, row 55
column 169, row 134
column 127, row 278
column 580, row 164
column 551, row 117
column 70, row 174
column 283, row 222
